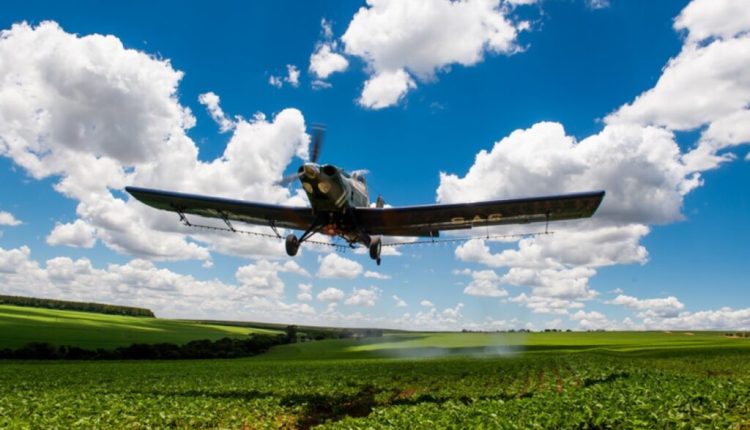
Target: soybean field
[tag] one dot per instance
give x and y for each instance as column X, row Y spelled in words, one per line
column 416, row 380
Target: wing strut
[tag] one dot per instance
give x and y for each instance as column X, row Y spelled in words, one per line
column 272, row 224
column 226, row 221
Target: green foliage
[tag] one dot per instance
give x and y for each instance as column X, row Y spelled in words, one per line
column 223, row 348
column 76, row 306
column 670, row 387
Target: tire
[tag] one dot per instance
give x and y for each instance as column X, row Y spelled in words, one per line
column 375, row 247
column 292, row 245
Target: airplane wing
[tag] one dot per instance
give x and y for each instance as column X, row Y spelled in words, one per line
column 428, row 220
column 236, row 210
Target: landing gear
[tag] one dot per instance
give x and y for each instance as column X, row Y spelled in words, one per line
column 292, row 245
column 375, row 247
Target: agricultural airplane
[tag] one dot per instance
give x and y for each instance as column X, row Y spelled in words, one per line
column 340, row 206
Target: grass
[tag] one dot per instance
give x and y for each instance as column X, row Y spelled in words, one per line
column 20, row 325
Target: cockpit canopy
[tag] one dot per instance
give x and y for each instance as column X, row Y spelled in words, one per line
column 359, row 176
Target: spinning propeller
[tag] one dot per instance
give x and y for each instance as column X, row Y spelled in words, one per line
column 318, row 132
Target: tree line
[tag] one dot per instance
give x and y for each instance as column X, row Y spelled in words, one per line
column 223, row 348
column 76, row 306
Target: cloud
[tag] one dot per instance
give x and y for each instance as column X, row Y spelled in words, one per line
column 635, row 158
column 521, row 2
column 363, row 297
column 211, row 101
column 7, row 218
column 484, row 283
column 140, row 283
column 706, row 84
column 291, row 78
column 304, row 292
column 97, row 116
column 335, row 266
column 432, row 319
column 662, row 308
column 275, row 81
column 262, row 277
column 330, row 295
column 593, row 320
column 292, row 75
column 326, row 28
column 376, row 275
column 386, row 89
column 427, row 304
column 705, row 19
column 326, row 60
column 78, row 234
column 419, row 38
column 400, row 303
column 541, row 304
column 454, row 313
column 639, row 167
column 597, row 4
column 725, row 318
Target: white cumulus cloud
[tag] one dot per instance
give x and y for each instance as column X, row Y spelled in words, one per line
column 363, row 297
column 141, row 283
column 398, row 39
column 211, row 101
column 330, row 295
column 400, row 303
column 77, row 234
column 376, row 275
column 484, row 283
column 664, row 307
column 7, row 218
column 304, row 293
column 335, row 266
column 97, row 116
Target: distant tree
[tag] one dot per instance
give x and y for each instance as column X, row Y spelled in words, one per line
column 76, row 306
column 291, row 333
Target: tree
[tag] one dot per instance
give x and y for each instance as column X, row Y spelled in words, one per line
column 291, row 334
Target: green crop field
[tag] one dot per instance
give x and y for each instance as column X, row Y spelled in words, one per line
column 426, row 380
column 409, row 380
column 20, row 325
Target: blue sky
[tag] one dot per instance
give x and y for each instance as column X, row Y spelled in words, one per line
column 440, row 101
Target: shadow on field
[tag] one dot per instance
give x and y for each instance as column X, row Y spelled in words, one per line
column 319, row 408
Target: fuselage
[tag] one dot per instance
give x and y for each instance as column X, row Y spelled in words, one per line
column 331, row 192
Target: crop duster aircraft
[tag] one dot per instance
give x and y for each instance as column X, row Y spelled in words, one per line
column 340, row 207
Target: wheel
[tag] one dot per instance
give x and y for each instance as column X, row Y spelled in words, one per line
column 292, row 245
column 375, row 246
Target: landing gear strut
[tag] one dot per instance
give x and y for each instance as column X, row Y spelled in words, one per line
column 292, row 245
column 375, row 247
